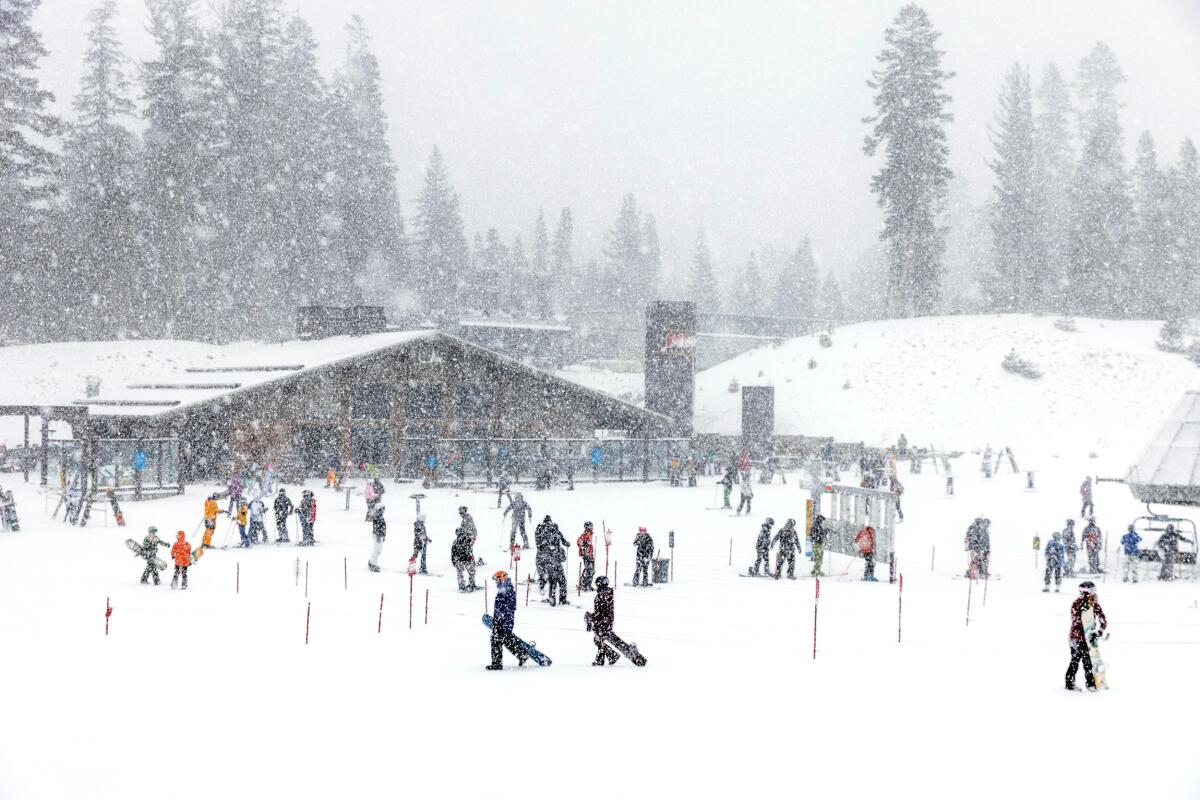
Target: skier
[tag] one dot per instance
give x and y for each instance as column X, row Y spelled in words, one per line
column 897, row 489
column 1068, row 537
column 181, row 551
column 1088, row 603
column 283, row 508
column 421, row 542
column 257, row 510
column 504, row 616
column 467, row 522
column 520, row 511
column 762, row 548
column 971, row 543
column 149, row 552
column 235, row 488
column 597, row 461
column 307, row 511
column 378, row 533
column 817, row 536
column 211, row 509
column 502, row 484
column 865, row 539
column 1086, row 508
column 983, row 544
column 789, row 542
column 462, row 556
column 727, row 481
column 747, row 490
column 645, row 551
column 243, row 511
column 1091, row 542
column 1168, row 543
column 1055, row 558
column 602, row 623
column 1129, row 548
column 587, row 554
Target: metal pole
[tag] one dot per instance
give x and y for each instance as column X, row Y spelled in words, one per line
column 900, row 608
column 816, row 601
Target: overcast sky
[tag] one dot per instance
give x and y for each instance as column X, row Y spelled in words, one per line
column 741, row 117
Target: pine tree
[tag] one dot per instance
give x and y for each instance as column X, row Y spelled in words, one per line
column 1101, row 209
column 441, row 245
column 491, row 278
column 748, row 293
column 651, row 269
column 1056, row 161
column 518, row 279
column 100, row 182
column 565, row 281
column 1018, row 280
column 1153, row 272
column 623, row 286
column 831, row 306
column 795, row 291
column 702, row 286
column 910, row 125
column 541, row 289
column 1183, row 288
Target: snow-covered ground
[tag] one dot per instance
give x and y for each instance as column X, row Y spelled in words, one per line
column 212, row 692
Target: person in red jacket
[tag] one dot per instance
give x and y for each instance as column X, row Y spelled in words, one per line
column 865, row 539
column 181, row 551
column 587, row 554
column 1084, row 611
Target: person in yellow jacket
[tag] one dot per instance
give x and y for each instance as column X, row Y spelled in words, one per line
column 211, row 509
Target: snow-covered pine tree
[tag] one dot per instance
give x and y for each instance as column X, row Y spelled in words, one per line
column 440, row 244
column 1056, row 162
column 651, row 270
column 541, row 289
column 1017, row 280
column 1184, row 220
column 797, row 286
column 517, row 280
column 104, row 296
column 1154, row 279
column 491, row 279
column 909, row 124
column 183, row 135
column 831, row 307
column 748, row 293
column 565, row 282
column 622, row 287
column 702, row 288
column 1101, row 209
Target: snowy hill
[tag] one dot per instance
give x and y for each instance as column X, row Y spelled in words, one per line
column 1105, row 387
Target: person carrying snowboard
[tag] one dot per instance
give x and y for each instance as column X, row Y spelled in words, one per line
column 504, row 617
column 817, row 536
column 257, row 511
column 644, row 552
column 746, row 488
column 603, row 612
column 149, row 552
column 1168, row 543
column 762, row 548
column 1129, row 549
column 1088, row 603
column 1068, row 537
column 520, row 511
column 865, row 539
column 378, row 534
column 1091, row 543
column 307, row 512
column 789, row 542
column 462, row 556
column 421, row 542
column 283, row 509
column 1086, row 508
column 181, row 552
column 1055, row 555
column 727, row 481
column 243, row 519
column 587, row 554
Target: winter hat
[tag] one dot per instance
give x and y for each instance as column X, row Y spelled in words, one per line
column 1087, row 587
column 546, row 518
column 462, row 509
column 500, row 575
column 587, row 525
column 1057, row 536
column 282, row 490
column 152, row 529
column 768, row 522
column 602, row 582
column 642, row 529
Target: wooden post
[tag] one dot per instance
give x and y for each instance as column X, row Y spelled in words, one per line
column 25, row 453
column 816, row 602
column 379, row 627
column 107, row 613
column 900, row 607
column 307, row 620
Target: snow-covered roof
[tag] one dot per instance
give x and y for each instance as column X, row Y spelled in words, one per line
column 1168, row 470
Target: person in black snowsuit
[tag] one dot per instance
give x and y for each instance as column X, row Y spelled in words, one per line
column 504, row 616
column 149, row 552
column 378, row 534
column 1071, row 546
column 645, row 551
column 557, row 563
column 762, row 548
column 462, row 556
column 1078, row 636
column 283, row 508
column 1168, row 543
column 307, row 511
column 421, row 542
column 788, row 542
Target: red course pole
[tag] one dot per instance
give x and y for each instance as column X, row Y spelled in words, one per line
column 579, row 579
column 900, row 608
column 426, row 606
column 969, row 582
column 528, row 583
column 410, row 594
column 307, row 620
column 379, row 627
column 107, row 613
column 816, row 601
column 306, row 579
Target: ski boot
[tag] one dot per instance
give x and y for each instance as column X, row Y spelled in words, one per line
column 372, row 567
column 1046, row 589
column 490, row 667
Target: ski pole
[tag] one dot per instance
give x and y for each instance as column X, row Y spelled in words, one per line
column 969, row 582
column 107, row 613
column 986, row 575
column 427, row 604
column 379, row 627
column 816, row 601
column 306, row 579
column 900, row 608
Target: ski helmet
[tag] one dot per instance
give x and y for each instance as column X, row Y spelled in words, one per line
column 1057, row 536
column 546, row 518
column 282, row 490
column 152, row 529
column 1070, row 523
column 462, row 509
column 500, row 575
column 791, row 523
column 1087, row 587
column 587, row 525
column 768, row 522
column 602, row 582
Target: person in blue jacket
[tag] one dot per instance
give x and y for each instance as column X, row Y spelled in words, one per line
column 1055, row 557
column 504, row 616
column 1129, row 546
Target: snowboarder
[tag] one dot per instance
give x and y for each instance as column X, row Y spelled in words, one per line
column 897, row 489
column 1086, row 508
column 1068, row 537
column 421, row 542
column 462, row 556
column 467, row 523
column 149, row 552
column 587, row 554
column 520, row 511
column 283, row 509
column 1091, row 542
column 762, row 548
column 1055, row 558
column 865, row 539
column 789, row 542
column 243, row 515
column 556, row 561
column 504, row 617
column 603, row 612
column 727, row 481
column 1088, row 603
column 307, row 511
column 257, row 528
column 817, row 536
column 211, row 509
column 181, row 552
column 645, row 551
column 1129, row 548
column 1168, row 543
column 378, row 534
column 746, row 488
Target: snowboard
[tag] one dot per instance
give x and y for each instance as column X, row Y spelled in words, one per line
column 137, row 548
column 528, row 649
column 118, row 514
column 197, row 553
column 8, row 510
column 640, row 586
column 627, row 649
column 750, row 575
column 1091, row 635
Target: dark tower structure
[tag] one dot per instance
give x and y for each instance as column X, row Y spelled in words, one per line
column 670, row 362
column 758, row 420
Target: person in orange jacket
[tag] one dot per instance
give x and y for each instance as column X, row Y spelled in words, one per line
column 243, row 513
column 181, row 551
column 587, row 553
column 865, row 539
column 211, row 509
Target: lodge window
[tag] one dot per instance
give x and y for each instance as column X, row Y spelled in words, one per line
column 424, row 401
column 370, row 401
column 369, row 445
column 473, row 401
